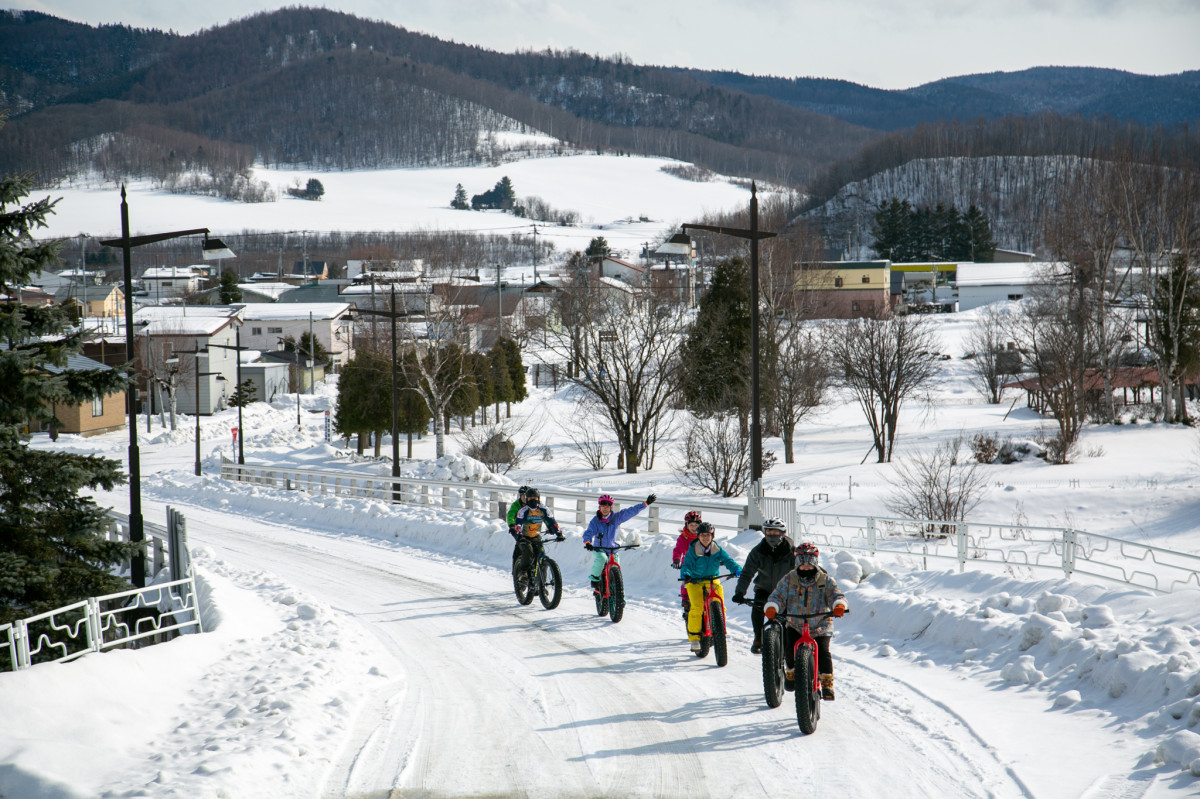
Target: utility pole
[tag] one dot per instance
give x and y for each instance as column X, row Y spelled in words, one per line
column 312, row 357
column 499, row 307
column 535, row 254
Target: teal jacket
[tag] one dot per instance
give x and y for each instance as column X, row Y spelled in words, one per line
column 701, row 564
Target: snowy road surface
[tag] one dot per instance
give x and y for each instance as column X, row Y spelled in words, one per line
column 488, row 697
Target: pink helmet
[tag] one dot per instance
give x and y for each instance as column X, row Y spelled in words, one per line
column 605, row 499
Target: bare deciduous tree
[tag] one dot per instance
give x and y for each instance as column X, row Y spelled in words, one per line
column 991, row 362
column 884, row 362
column 628, row 345
column 585, row 440
column 800, row 379
column 941, row 484
column 715, row 455
column 439, row 368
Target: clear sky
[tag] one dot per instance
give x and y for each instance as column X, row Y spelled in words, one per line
column 888, row 44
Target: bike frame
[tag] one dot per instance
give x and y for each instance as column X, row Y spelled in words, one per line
column 610, row 564
column 707, row 583
column 806, row 640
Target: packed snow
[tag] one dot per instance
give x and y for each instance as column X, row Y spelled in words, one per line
column 357, row 648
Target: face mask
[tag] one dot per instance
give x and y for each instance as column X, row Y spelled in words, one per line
column 773, row 540
column 807, row 575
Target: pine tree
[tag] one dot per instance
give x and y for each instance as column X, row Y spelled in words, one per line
column 229, row 290
column 501, row 376
column 516, row 372
column 313, row 190
column 506, row 194
column 893, row 220
column 52, row 551
column 243, row 395
column 460, row 202
column 597, row 248
column 718, row 344
column 981, row 247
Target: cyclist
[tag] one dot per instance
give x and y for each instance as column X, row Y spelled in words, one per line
column 602, row 531
column 518, row 503
column 702, row 561
column 766, row 565
column 691, row 520
column 808, row 589
column 529, row 521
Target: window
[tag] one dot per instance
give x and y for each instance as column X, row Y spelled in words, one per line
column 1015, row 296
column 837, row 281
column 165, row 283
column 866, row 278
column 256, row 331
column 854, row 307
column 274, row 330
column 97, row 406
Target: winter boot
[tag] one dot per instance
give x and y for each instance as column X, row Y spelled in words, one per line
column 687, row 608
column 827, row 687
column 789, row 679
column 696, row 645
column 595, row 585
column 756, row 647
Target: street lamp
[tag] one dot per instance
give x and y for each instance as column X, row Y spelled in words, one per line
column 199, row 374
column 753, row 234
column 137, row 565
column 241, row 437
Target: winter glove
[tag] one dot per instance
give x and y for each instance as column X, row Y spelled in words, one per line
column 588, row 546
column 558, row 536
column 838, row 610
column 739, row 598
column 676, row 564
column 770, row 611
column 650, row 499
column 512, row 530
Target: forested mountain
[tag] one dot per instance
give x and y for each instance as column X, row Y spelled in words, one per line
column 323, row 88
column 1085, row 91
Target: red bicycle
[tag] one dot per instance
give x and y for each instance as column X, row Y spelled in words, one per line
column 807, row 681
column 712, row 624
column 610, row 598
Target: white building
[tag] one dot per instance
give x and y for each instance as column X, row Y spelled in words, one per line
column 983, row 284
column 169, row 282
column 266, row 325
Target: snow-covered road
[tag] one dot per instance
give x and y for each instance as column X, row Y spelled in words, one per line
column 488, row 697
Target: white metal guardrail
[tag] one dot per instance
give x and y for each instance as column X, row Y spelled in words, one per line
column 1020, row 550
column 113, row 620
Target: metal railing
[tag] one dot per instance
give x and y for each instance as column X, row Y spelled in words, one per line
column 1015, row 549
column 113, row 620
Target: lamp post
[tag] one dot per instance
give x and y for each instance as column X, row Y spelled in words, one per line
column 137, row 565
column 753, row 234
column 199, row 375
column 238, row 368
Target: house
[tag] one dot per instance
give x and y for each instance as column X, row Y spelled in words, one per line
column 842, row 289
column 385, row 271
column 267, row 325
column 301, row 371
column 616, row 269
column 304, row 271
column 983, row 284
column 170, row 282
column 100, row 415
column 99, row 302
column 176, row 343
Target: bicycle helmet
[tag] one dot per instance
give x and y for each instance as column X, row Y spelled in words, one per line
column 774, row 524
column 532, row 493
column 523, row 490
column 705, row 527
column 691, row 516
column 605, row 499
column 806, row 554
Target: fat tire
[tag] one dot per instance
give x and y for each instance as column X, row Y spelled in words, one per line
column 549, row 583
column 598, row 595
column 772, row 665
column 720, row 650
column 616, row 595
column 808, row 701
column 522, row 586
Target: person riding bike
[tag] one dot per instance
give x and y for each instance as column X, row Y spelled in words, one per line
column 766, row 565
column 528, row 527
column 703, row 561
column 687, row 534
column 808, row 589
column 518, row 503
column 602, row 531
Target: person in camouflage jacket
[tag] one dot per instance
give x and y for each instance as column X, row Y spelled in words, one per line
column 808, row 589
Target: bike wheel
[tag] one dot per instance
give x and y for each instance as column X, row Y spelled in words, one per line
column 616, row 595
column 772, row 664
column 717, row 610
column 601, row 600
column 522, row 584
column 808, row 701
column 549, row 584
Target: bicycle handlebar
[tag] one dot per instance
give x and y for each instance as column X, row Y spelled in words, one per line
column 845, row 612
column 614, row 549
column 707, row 579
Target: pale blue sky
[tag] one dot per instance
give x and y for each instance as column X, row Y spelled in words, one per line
column 884, row 43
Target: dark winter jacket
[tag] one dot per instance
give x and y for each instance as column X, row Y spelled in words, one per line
column 766, row 565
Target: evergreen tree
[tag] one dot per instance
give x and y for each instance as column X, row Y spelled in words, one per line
column 485, row 390
column 597, row 248
column 313, row 190
column 229, row 290
column 501, row 376
column 516, row 373
column 505, row 192
column 891, row 231
column 243, row 395
column 718, row 344
column 459, row 202
column 980, row 247
column 52, row 551
column 358, row 410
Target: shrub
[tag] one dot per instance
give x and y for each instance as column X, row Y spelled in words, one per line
column 985, row 447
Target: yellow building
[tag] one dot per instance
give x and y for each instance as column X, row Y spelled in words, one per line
column 843, row 289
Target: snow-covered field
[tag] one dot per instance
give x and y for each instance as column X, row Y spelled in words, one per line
column 359, row 649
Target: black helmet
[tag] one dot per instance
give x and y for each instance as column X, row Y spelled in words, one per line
column 532, row 493
column 523, row 490
column 705, row 527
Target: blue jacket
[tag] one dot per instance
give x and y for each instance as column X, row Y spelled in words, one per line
column 603, row 532
column 701, row 564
